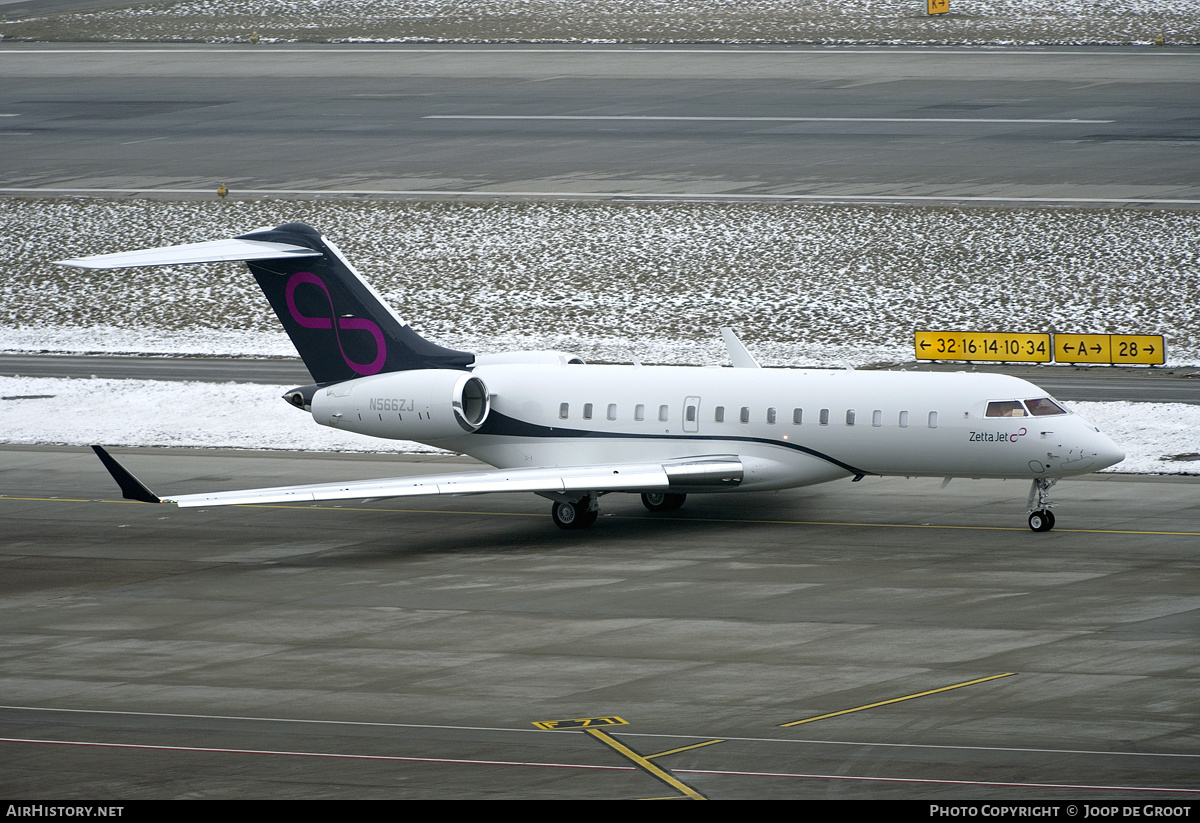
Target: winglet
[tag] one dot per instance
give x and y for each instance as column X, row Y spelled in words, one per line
column 741, row 358
column 131, row 487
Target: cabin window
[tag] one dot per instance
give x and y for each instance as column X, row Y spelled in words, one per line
column 564, row 411
column 745, row 414
column 933, row 420
column 904, row 420
column 849, row 417
column 797, row 416
column 662, row 414
column 771, row 415
column 719, row 414
column 587, row 411
column 639, row 411
column 612, row 411
column 1043, row 406
column 1005, row 408
column 823, row 417
column 877, row 418
column 689, row 414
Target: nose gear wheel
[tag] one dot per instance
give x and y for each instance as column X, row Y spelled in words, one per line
column 1041, row 519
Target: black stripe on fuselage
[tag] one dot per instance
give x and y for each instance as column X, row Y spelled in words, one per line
column 501, row 425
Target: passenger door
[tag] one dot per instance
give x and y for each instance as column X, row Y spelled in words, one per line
column 691, row 415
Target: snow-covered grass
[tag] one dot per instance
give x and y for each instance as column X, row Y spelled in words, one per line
column 802, row 284
column 988, row 22
column 238, row 415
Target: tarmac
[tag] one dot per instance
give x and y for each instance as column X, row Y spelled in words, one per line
column 885, row 639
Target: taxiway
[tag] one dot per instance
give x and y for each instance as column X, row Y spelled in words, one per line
column 405, row 650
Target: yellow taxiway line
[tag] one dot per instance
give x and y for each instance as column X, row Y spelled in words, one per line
column 895, row 700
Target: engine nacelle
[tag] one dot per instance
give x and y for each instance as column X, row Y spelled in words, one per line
column 424, row 404
column 542, row 357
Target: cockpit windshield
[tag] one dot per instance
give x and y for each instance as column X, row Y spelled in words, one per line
column 1038, row 407
column 1005, row 408
column 1043, row 406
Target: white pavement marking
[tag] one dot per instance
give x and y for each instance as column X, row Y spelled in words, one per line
column 624, row 195
column 517, row 51
column 623, row 732
column 635, row 117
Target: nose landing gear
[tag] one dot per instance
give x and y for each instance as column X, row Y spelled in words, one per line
column 1041, row 519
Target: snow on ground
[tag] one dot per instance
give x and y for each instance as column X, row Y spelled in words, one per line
column 991, row 22
column 58, row 411
column 244, row 416
column 814, row 285
column 1151, row 433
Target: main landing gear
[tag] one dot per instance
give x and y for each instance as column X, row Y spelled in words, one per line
column 1041, row 519
column 662, row 502
column 578, row 515
column 583, row 513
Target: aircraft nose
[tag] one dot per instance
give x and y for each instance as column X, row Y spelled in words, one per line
column 1108, row 453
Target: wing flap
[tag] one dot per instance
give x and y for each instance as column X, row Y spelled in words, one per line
column 212, row 251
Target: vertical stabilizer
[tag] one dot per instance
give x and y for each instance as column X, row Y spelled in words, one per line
column 339, row 324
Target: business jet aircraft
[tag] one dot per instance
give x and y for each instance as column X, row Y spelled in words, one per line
column 572, row 432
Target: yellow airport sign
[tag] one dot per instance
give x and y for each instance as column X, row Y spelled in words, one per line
column 981, row 346
column 1146, row 349
column 1115, row 349
column 1082, row 348
column 580, row 723
column 937, row 6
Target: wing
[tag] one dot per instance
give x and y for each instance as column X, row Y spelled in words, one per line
column 700, row 473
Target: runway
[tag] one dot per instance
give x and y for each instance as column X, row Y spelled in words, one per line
column 406, row 650
column 1078, row 126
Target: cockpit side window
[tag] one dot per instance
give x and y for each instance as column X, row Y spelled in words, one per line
column 1005, row 408
column 1043, row 406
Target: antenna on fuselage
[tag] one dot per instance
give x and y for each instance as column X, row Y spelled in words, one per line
column 738, row 355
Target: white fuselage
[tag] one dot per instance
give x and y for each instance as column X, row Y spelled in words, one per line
column 788, row 427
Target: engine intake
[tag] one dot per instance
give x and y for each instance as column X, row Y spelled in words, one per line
column 541, row 357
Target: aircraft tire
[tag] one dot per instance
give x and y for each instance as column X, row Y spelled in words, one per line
column 1041, row 520
column 572, row 515
column 662, row 501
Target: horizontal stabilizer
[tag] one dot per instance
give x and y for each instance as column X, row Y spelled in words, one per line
column 212, row 251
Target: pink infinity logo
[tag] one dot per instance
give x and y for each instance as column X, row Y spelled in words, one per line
column 1021, row 433
column 349, row 324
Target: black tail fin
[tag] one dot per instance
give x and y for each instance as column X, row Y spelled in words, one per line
column 340, row 325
